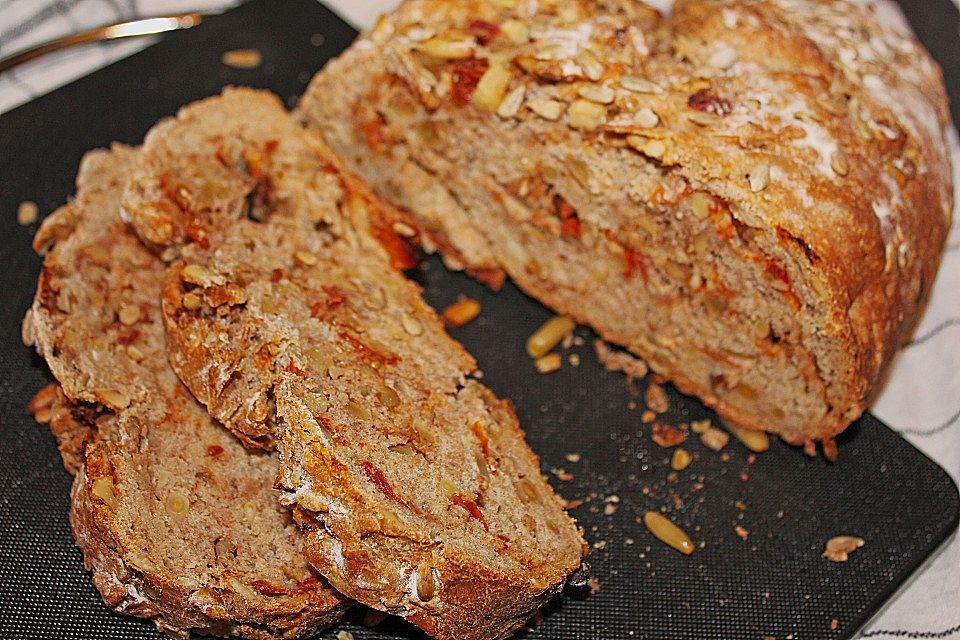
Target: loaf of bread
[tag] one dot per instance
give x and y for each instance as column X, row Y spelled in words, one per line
column 178, row 522
column 751, row 195
column 412, row 482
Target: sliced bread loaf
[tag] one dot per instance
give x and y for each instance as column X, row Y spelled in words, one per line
column 752, row 196
column 178, row 522
column 412, row 481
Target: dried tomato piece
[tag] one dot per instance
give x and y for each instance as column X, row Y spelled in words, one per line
column 401, row 254
column 466, row 75
column 472, row 508
column 485, row 32
column 636, row 264
column 379, row 480
column 335, row 297
column 369, row 354
column 267, row 588
column 709, row 102
column 373, row 133
column 569, row 220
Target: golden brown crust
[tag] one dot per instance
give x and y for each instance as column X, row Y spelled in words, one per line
column 813, row 131
column 178, row 523
column 413, row 484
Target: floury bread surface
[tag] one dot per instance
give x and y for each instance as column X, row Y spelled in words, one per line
column 412, row 483
column 177, row 521
column 751, row 195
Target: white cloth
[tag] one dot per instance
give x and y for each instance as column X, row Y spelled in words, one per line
column 921, row 398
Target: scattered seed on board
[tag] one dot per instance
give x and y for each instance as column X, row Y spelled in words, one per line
column 242, row 58
column 839, row 548
column 461, row 312
column 548, row 363
column 549, row 335
column 667, row 532
column 681, row 459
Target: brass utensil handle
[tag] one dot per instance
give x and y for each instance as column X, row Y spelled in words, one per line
column 128, row 29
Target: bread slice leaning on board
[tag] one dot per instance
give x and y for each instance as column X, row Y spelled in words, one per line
column 753, row 196
column 285, row 315
column 178, row 522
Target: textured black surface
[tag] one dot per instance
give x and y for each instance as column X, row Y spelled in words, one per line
column 774, row 583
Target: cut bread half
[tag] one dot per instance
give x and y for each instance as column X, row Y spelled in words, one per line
column 413, row 483
column 178, row 522
column 747, row 200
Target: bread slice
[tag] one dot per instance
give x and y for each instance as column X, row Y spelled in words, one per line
column 178, row 522
column 412, row 481
column 753, row 197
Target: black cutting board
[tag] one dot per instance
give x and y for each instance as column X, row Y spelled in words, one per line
column 775, row 583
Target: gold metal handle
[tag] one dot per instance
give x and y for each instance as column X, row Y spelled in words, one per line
column 129, row 29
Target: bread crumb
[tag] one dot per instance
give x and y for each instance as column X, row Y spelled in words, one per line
column 609, row 509
column 594, row 585
column 834, row 623
column 667, row 435
column 656, row 398
column 573, row 457
column 574, row 360
column 743, row 533
column 344, row 635
column 599, row 544
column 648, row 416
column 27, row 212
column 619, row 360
column 562, row 474
column 242, row 58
